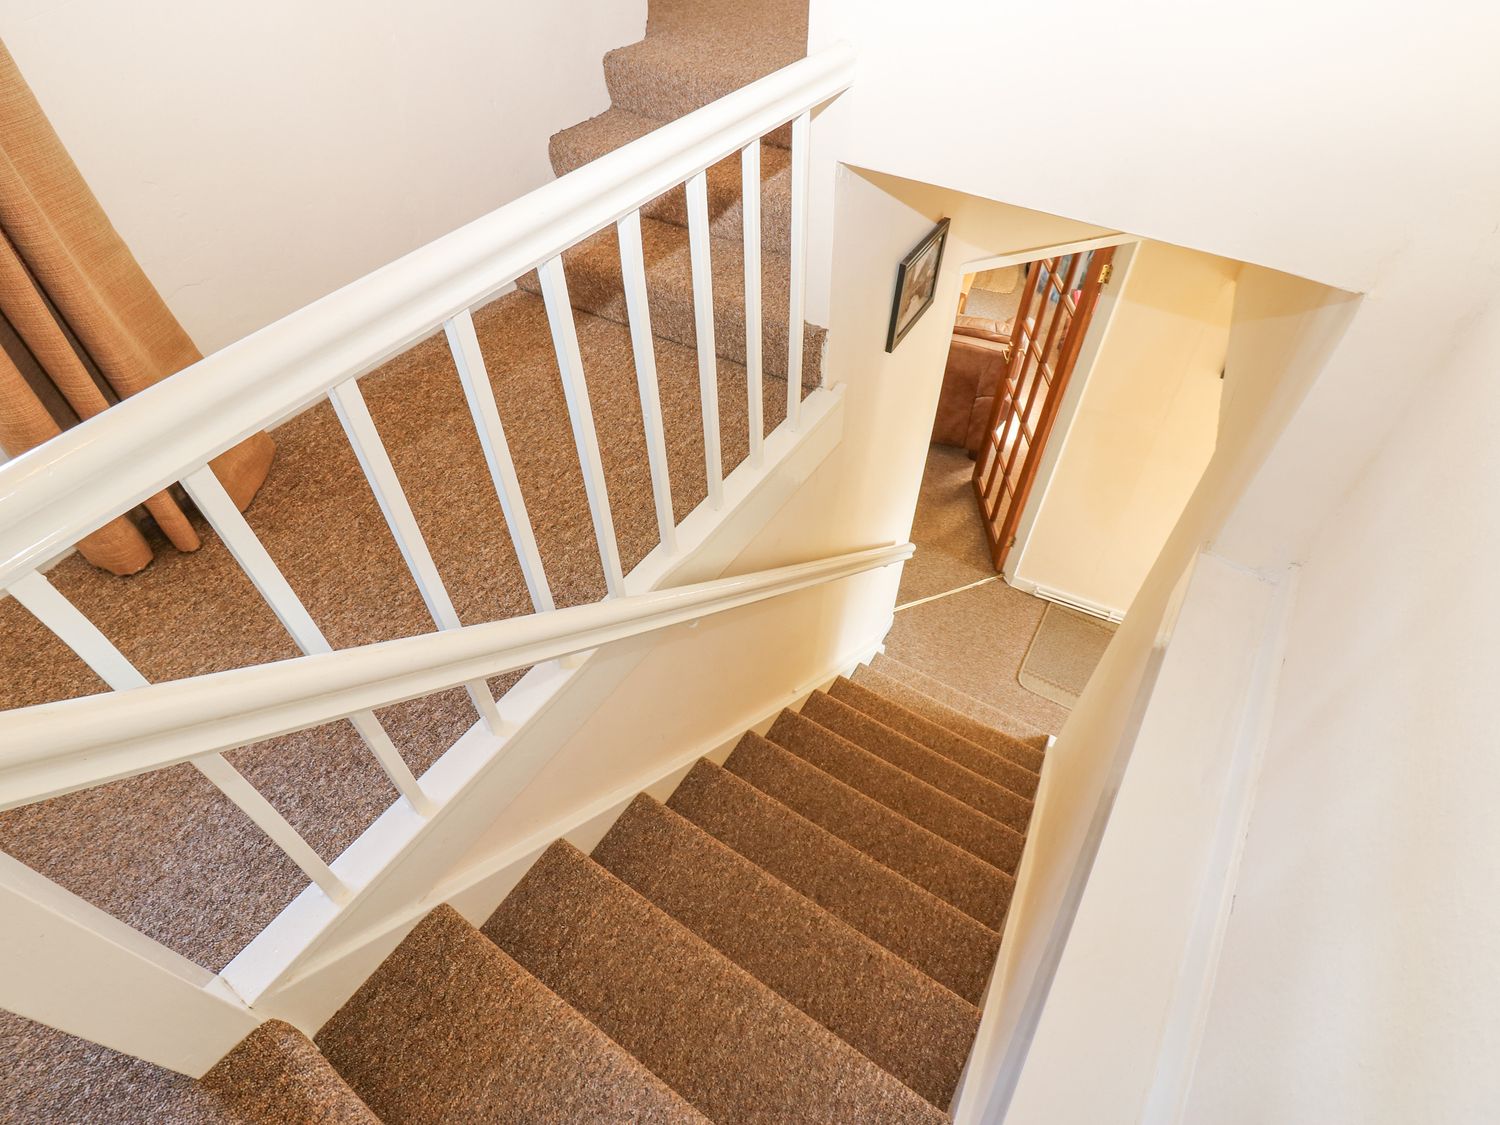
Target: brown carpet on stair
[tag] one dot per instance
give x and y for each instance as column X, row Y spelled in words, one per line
column 449, row 1028
column 995, row 801
column 937, row 738
column 1025, row 751
column 591, row 139
column 979, row 889
column 184, row 865
column 941, row 813
column 188, row 868
column 595, row 285
column 917, row 1029
column 698, row 50
column 274, row 1077
column 717, row 1036
column 912, row 923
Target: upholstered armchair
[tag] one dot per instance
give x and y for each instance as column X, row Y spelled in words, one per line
column 977, row 360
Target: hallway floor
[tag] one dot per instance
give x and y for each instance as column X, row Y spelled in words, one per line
column 956, row 619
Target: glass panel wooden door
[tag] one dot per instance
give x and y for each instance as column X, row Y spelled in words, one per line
column 1054, row 313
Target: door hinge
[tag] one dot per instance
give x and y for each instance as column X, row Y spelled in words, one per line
column 1106, row 273
column 1011, row 544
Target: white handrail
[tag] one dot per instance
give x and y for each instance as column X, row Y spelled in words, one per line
column 55, row 494
column 54, row 748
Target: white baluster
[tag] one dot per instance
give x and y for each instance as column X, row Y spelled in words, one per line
column 581, row 415
column 233, row 785
column 703, row 323
column 797, row 313
column 225, row 517
column 464, row 344
column 354, row 414
column 750, row 202
column 97, row 651
column 633, row 270
column 76, row 631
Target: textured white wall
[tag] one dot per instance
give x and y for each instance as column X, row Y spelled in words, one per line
column 256, row 157
column 1358, row 978
column 1351, row 144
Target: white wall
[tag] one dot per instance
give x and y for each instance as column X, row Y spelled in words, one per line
column 1346, row 143
column 1358, row 980
column 256, row 157
column 1142, row 433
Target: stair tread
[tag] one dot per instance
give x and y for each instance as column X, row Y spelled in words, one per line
column 939, row 812
column 596, row 286
column 720, row 1038
column 451, row 1028
column 980, row 793
column 205, row 880
column 912, row 923
column 918, row 1030
column 987, row 715
column 649, row 77
column 954, row 875
column 274, row 1076
column 937, row 738
column 588, row 140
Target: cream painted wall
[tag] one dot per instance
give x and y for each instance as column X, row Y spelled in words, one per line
column 1358, row 978
column 256, row 157
column 1142, row 433
column 1047, row 1018
column 1275, row 134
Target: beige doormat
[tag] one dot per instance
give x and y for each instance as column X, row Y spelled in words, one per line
column 1063, row 654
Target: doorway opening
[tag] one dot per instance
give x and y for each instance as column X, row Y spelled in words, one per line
column 1079, row 407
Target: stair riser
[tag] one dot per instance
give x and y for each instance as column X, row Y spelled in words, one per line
column 636, row 82
column 921, row 1033
column 938, row 812
column 958, row 878
column 726, row 214
column 981, row 794
column 968, row 754
column 596, row 286
column 727, row 1044
column 916, row 926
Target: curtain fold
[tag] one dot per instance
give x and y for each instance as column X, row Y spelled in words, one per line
column 75, row 296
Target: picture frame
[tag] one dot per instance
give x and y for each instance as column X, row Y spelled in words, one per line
column 916, row 284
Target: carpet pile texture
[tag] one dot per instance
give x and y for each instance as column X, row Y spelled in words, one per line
column 184, row 865
column 801, row 933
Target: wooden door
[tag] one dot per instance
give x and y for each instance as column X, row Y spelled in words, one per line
column 1054, row 313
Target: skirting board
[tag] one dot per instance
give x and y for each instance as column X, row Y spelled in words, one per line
column 478, row 889
column 1070, row 601
column 969, row 1100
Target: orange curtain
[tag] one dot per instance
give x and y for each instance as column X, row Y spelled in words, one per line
column 84, row 322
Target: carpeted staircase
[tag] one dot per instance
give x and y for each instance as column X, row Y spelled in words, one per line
column 803, row 933
column 188, row 868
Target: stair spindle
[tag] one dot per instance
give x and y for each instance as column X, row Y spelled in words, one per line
column 703, row 329
column 53, row 610
column 750, row 208
column 581, row 415
column 256, row 562
column 354, row 414
column 797, row 315
column 463, row 342
column 637, row 306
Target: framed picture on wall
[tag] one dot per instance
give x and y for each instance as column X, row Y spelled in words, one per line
column 916, row 284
